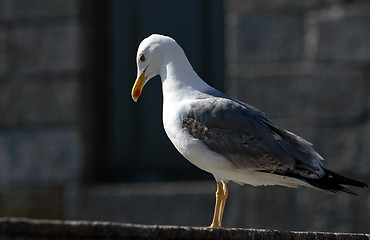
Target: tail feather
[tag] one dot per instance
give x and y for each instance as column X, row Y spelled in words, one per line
column 333, row 182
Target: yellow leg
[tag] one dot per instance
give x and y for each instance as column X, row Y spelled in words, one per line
column 221, row 197
column 223, row 201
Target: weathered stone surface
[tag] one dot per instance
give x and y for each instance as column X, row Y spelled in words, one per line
column 367, row 86
column 48, row 48
column 3, row 51
column 264, row 38
column 318, row 97
column 4, row 161
column 344, row 38
column 34, row 202
column 192, row 204
column 260, row 207
column 21, row 9
column 289, row 209
column 151, row 203
column 340, row 147
column 40, row 229
column 362, row 164
column 47, row 156
column 263, row 6
column 39, row 102
column 324, row 211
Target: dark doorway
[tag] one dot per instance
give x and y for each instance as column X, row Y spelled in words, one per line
column 137, row 148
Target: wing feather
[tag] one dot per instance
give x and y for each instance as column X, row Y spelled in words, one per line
column 248, row 139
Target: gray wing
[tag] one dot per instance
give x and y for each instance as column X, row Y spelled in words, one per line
column 248, row 139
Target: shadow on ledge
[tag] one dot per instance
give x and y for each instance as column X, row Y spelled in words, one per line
column 21, row 228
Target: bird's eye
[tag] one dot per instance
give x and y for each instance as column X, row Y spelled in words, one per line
column 142, row 58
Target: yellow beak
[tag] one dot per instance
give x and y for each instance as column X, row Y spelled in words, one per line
column 138, row 86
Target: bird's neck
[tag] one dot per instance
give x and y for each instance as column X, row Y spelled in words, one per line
column 179, row 80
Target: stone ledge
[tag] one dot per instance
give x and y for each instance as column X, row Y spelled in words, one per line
column 21, row 228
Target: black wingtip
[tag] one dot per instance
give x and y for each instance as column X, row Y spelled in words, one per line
column 344, row 180
column 333, row 182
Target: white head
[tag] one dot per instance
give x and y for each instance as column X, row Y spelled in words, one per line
column 153, row 54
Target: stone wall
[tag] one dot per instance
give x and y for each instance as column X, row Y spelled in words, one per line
column 306, row 64
column 43, row 65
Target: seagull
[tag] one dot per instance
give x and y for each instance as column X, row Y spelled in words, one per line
column 226, row 137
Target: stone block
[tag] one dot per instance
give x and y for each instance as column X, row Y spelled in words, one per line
column 344, row 39
column 4, row 161
column 269, row 38
column 361, row 208
column 287, row 209
column 36, row 202
column 260, row 207
column 152, row 203
column 310, row 97
column 363, row 142
column 23, row 9
column 263, row 6
column 368, row 87
column 49, row 156
column 3, row 51
column 30, row 103
column 325, row 212
column 345, row 149
column 192, row 204
column 340, row 146
column 49, row 48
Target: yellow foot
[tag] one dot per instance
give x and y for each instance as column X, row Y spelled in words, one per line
column 214, row 225
column 221, row 196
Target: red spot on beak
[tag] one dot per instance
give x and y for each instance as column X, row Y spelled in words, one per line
column 137, row 93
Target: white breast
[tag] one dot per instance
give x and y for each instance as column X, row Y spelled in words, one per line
column 191, row 148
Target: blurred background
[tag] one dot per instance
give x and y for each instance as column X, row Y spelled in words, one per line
column 73, row 144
